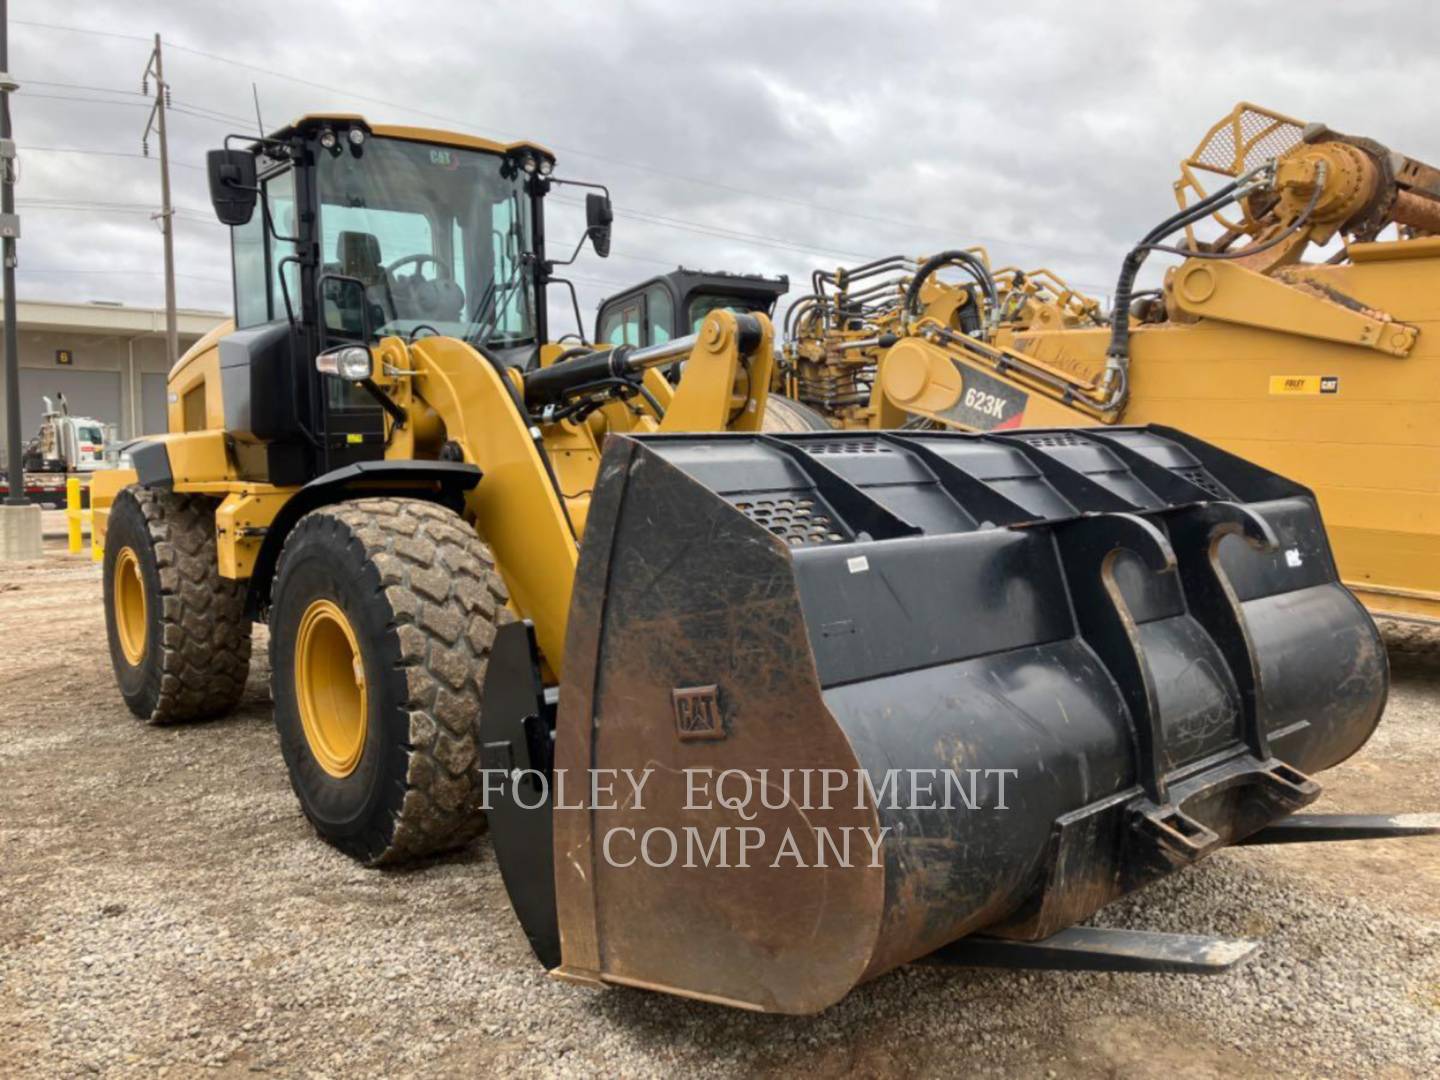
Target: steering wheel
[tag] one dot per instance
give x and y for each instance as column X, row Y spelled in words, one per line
column 423, row 326
column 418, row 295
column 420, row 258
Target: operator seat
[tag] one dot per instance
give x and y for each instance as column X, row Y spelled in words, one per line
column 358, row 256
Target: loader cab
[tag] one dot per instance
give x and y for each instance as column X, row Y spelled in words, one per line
column 675, row 304
column 343, row 233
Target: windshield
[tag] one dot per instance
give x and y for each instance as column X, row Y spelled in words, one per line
column 701, row 304
column 90, row 433
column 438, row 236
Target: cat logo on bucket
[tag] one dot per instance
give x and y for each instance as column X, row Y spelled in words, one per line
column 697, row 712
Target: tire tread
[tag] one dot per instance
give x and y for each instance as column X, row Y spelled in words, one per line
column 204, row 634
column 443, row 597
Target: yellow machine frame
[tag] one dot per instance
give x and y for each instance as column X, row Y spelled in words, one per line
column 1328, row 372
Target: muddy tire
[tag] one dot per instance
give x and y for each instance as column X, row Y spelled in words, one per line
column 784, row 414
column 179, row 640
column 384, row 612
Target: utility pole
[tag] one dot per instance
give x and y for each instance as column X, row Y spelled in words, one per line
column 156, row 69
column 20, row 533
column 9, row 230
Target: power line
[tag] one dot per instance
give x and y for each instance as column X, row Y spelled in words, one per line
column 723, row 233
column 101, row 153
column 47, row 200
column 78, row 30
column 664, row 221
column 192, row 216
column 597, row 281
column 88, row 101
column 74, row 86
column 622, row 162
column 207, row 112
column 127, row 105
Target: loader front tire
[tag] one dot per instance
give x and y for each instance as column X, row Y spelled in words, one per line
column 179, row 639
column 384, row 611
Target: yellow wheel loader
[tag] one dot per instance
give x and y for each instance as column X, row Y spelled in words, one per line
column 1296, row 332
column 752, row 717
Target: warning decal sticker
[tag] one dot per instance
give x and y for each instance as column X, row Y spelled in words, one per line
column 987, row 403
column 1304, row 384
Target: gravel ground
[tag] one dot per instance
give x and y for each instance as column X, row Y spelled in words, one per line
column 164, row 909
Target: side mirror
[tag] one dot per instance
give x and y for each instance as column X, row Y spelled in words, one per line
column 598, row 216
column 346, row 306
column 233, row 185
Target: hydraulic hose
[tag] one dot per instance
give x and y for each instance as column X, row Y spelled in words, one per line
column 1118, row 354
column 964, row 259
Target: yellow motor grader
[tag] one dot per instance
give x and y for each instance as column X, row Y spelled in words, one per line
column 1294, row 332
column 500, row 574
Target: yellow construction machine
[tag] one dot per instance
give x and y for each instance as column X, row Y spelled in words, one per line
column 1294, row 332
column 550, row 588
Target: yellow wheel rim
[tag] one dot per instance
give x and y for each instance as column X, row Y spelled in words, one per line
column 330, row 686
column 130, row 609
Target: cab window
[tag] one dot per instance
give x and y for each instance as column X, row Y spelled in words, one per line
column 646, row 319
column 701, row 304
column 621, row 324
column 259, row 257
column 659, row 314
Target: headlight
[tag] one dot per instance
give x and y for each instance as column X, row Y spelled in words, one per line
column 328, row 139
column 546, row 166
column 527, row 162
column 351, row 362
column 356, row 136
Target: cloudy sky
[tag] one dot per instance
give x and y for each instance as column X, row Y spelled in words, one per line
column 769, row 136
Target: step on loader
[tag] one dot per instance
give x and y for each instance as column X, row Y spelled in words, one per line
column 752, row 716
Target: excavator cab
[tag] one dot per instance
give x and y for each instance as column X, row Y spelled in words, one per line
column 675, row 304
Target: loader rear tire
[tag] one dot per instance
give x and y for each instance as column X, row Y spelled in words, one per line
column 179, row 639
column 383, row 617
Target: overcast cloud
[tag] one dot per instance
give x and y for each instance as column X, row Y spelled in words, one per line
column 1049, row 132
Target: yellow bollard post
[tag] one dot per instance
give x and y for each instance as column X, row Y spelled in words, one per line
column 72, row 512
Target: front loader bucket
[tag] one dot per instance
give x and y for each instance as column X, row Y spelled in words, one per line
column 888, row 690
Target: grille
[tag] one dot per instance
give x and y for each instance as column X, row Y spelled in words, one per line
column 798, row 520
column 849, row 446
column 1261, row 135
column 1207, row 483
column 1063, row 438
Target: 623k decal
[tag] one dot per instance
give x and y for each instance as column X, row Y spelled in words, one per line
column 986, row 403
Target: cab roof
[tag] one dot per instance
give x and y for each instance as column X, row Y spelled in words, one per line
column 415, row 134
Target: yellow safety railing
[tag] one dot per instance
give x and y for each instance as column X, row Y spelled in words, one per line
column 76, row 518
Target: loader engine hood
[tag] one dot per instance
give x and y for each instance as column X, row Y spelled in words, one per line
column 892, row 689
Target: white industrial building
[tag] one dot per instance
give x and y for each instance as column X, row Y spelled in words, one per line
column 108, row 359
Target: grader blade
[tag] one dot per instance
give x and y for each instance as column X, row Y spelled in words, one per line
column 851, row 698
